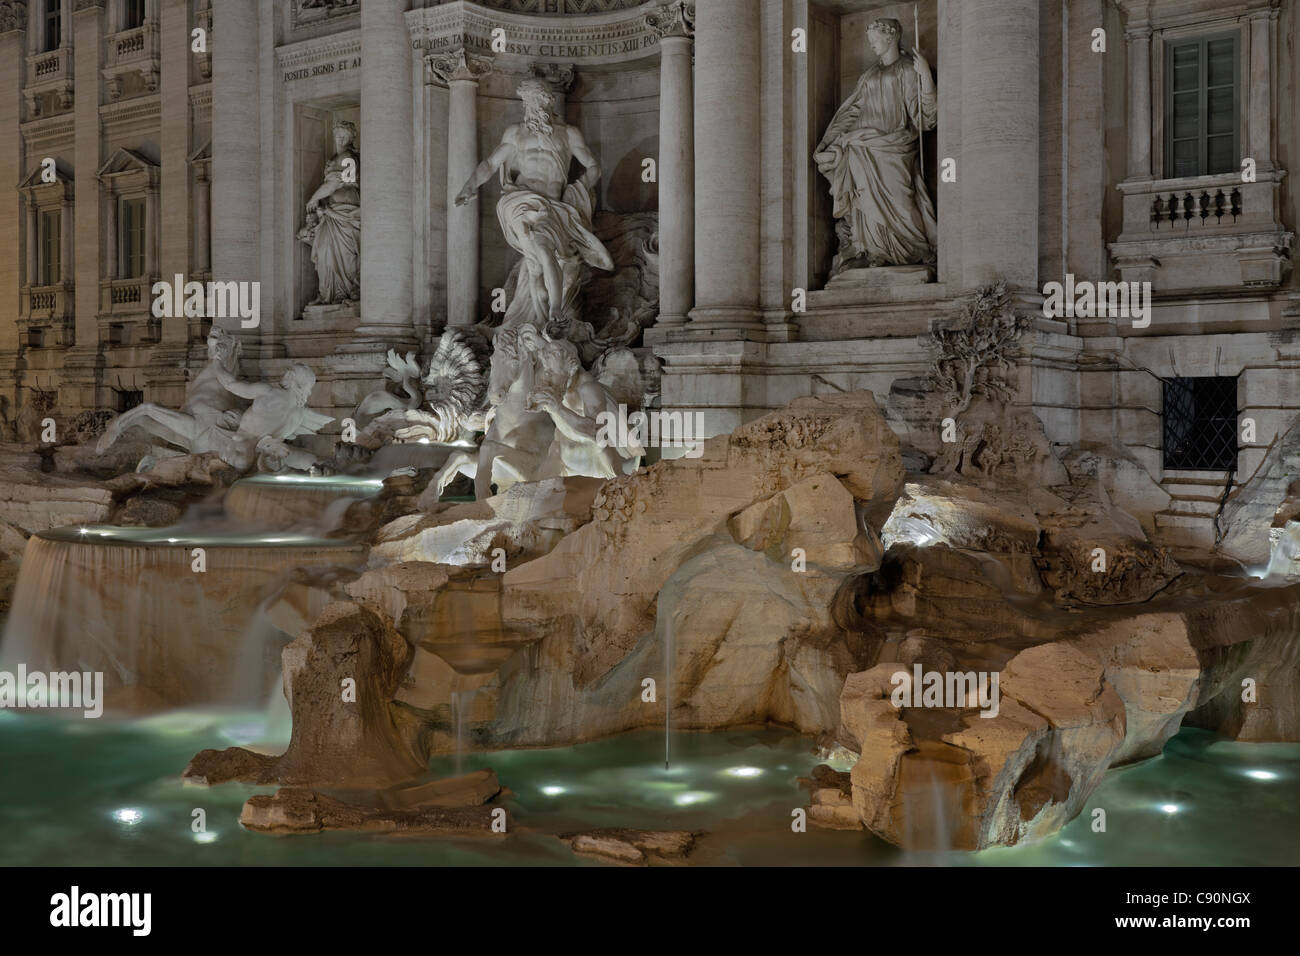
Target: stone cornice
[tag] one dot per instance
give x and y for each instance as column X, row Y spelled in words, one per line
column 1165, row 14
column 48, row 129
column 305, row 53
column 603, row 38
column 79, row 6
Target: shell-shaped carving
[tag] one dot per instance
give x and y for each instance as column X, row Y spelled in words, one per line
column 455, row 381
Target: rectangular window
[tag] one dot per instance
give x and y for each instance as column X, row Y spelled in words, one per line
column 133, row 238
column 51, row 246
column 1200, row 423
column 53, row 24
column 132, row 14
column 1202, row 106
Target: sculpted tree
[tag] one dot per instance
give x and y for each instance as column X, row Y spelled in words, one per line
column 975, row 354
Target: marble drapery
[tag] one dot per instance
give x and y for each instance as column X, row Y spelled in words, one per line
column 870, row 155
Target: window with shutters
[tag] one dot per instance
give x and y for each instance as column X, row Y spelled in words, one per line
column 1202, row 105
column 50, row 247
column 53, row 24
column 133, row 236
column 132, row 14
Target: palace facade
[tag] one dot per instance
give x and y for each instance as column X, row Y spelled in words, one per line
column 1143, row 141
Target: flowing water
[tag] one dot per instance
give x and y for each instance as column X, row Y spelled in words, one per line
column 133, row 604
column 84, row 792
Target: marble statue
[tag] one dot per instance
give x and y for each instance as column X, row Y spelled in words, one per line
column 541, row 422
column 210, row 411
column 278, row 413
column 870, row 154
column 545, row 217
column 333, row 223
column 444, row 403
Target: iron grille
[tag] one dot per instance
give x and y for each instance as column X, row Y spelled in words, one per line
column 1200, row 423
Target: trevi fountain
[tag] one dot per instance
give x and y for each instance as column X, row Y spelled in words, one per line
column 513, row 583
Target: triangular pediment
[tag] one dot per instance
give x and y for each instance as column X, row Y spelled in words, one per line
column 125, row 160
column 33, row 179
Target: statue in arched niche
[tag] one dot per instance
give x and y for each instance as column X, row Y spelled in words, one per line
column 333, row 223
column 545, row 218
column 870, row 153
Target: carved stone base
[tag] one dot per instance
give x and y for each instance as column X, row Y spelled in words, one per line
column 880, row 277
column 332, row 315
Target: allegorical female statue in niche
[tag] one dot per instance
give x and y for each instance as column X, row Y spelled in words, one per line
column 870, row 154
column 333, row 223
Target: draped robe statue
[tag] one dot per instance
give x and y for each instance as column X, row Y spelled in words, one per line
column 544, row 217
column 333, row 223
column 870, row 154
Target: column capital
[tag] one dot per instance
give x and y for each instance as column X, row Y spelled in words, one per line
column 13, row 16
column 559, row 75
column 458, row 64
column 1138, row 34
column 674, row 19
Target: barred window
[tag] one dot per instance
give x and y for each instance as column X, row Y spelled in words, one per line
column 1200, row 423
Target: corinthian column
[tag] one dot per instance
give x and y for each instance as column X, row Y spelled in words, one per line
column 236, row 143
column 387, row 176
column 461, row 71
column 727, row 165
column 675, row 24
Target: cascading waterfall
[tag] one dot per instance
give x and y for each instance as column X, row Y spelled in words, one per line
column 131, row 603
column 278, row 501
column 668, row 690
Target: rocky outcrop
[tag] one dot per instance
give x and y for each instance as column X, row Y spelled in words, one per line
column 340, row 677
column 448, row 806
column 635, row 847
column 1254, row 514
column 524, row 522
column 1103, row 691
column 645, row 526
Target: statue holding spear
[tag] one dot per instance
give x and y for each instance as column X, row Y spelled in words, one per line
column 871, row 154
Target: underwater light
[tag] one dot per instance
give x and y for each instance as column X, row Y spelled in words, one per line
column 1169, row 807
column 1261, row 774
column 128, row 816
column 743, row 772
column 688, row 799
column 205, row 838
column 552, row 790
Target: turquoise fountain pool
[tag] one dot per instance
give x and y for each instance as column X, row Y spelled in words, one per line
column 81, row 792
